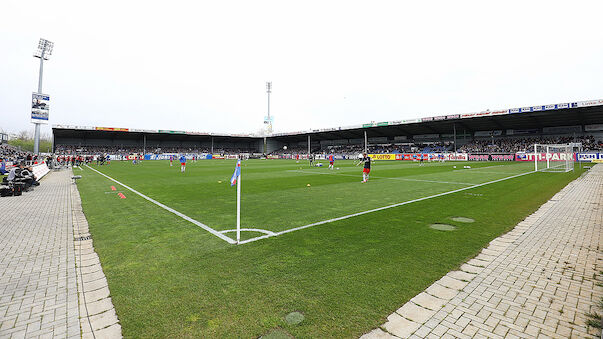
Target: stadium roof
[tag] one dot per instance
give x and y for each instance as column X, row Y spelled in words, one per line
column 521, row 119
column 82, row 132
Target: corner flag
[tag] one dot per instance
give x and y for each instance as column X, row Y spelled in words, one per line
column 236, row 180
column 236, row 174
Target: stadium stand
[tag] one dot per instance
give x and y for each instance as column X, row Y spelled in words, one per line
column 504, row 131
column 511, row 145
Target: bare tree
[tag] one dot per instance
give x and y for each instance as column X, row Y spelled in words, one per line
column 24, row 135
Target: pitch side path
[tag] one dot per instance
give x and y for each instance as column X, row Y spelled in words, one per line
column 43, row 294
column 537, row 281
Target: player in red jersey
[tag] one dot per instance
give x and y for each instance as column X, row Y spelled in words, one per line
column 366, row 168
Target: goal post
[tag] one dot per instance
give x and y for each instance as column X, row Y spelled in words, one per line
column 553, row 157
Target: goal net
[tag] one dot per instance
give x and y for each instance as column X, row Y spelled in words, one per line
column 553, row 158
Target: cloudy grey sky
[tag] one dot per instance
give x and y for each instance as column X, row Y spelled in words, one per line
column 202, row 65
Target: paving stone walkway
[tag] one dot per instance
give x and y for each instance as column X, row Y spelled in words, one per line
column 38, row 254
column 537, row 281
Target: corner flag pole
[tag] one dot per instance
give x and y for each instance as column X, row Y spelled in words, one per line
column 239, row 209
column 236, row 180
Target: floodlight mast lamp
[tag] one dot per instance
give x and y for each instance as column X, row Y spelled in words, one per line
column 43, row 53
column 268, row 91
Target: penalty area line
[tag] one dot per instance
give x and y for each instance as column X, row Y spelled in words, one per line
column 185, row 217
column 383, row 208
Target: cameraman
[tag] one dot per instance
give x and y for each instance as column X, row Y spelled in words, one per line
column 14, row 172
column 26, row 176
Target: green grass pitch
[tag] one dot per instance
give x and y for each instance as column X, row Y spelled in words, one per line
column 170, row 278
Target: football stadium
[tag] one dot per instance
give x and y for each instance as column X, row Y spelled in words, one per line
column 289, row 245
column 157, row 203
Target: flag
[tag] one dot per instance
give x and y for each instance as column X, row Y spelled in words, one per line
column 236, row 174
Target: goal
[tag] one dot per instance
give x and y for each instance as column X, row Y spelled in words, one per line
column 553, row 157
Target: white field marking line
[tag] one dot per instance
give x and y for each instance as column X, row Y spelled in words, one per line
column 384, row 208
column 495, row 172
column 187, row 218
column 250, row 230
column 394, row 178
column 478, row 168
column 257, row 238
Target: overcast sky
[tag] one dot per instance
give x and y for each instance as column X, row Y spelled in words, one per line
column 202, row 65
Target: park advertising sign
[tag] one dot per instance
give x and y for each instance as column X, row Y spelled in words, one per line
column 544, row 156
column 40, row 105
column 382, row 156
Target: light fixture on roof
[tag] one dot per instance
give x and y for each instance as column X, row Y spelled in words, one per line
column 44, row 49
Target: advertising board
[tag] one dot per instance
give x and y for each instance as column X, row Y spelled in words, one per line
column 40, row 106
column 382, row 156
column 543, row 156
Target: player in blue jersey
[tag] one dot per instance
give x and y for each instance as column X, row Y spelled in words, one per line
column 182, row 163
column 331, row 161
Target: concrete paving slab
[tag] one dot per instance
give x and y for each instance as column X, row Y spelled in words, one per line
column 378, row 334
column 412, row 311
column 428, row 301
column 399, row 326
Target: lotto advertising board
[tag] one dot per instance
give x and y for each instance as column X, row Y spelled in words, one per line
column 590, row 157
column 544, row 156
column 382, row 156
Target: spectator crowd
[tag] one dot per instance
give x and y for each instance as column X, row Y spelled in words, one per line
column 14, row 154
column 513, row 145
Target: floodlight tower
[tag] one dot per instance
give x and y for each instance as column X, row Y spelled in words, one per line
column 269, row 120
column 43, row 53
